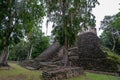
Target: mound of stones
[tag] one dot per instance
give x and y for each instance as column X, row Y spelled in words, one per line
column 61, row 73
column 86, row 54
column 91, row 56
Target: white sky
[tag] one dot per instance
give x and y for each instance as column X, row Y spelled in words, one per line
column 46, row 31
column 106, row 7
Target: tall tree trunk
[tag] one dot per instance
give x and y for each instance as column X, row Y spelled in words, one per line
column 65, row 49
column 4, row 56
column 65, row 52
column 9, row 29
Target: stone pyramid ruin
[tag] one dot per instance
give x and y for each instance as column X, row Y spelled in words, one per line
column 86, row 54
column 91, row 55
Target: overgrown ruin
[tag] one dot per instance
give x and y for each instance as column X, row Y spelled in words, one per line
column 87, row 54
column 91, row 56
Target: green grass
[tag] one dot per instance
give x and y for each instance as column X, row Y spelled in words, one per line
column 17, row 72
column 78, row 78
column 93, row 76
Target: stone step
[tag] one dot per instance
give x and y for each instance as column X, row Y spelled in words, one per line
column 61, row 73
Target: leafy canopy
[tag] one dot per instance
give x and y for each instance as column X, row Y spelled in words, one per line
column 69, row 17
column 17, row 17
column 111, row 34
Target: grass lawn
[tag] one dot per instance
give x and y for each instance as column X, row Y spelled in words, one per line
column 93, row 76
column 19, row 73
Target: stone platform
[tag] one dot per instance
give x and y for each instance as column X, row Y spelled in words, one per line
column 61, row 73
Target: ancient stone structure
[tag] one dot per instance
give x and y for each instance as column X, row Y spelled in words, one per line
column 90, row 54
column 61, row 73
column 45, row 59
column 49, row 53
column 86, row 54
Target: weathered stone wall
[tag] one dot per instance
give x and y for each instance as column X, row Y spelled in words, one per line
column 89, row 46
column 91, row 56
column 61, row 73
column 98, row 64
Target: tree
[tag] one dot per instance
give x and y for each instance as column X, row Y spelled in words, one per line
column 17, row 17
column 116, row 23
column 110, row 36
column 22, row 50
column 107, row 41
column 108, row 27
column 68, row 17
column 19, row 51
column 37, row 42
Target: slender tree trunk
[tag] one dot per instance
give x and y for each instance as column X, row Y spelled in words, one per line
column 30, row 53
column 113, row 48
column 4, row 56
column 114, row 43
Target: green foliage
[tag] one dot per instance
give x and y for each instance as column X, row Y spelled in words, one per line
column 111, row 34
column 21, row 50
column 106, row 39
column 116, row 22
column 17, row 18
column 37, row 40
column 112, row 55
column 40, row 46
column 69, row 17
